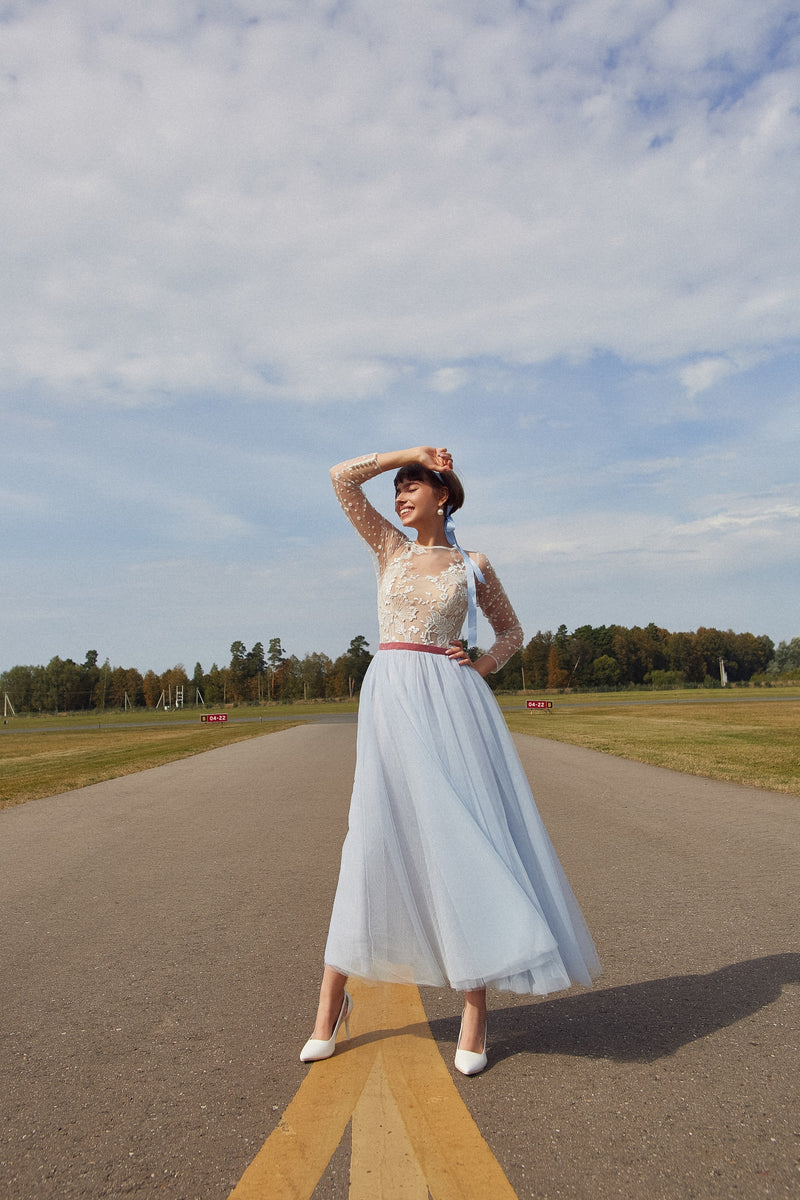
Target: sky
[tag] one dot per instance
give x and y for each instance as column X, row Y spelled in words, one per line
column 243, row 241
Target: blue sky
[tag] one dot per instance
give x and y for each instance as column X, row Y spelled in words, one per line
column 244, row 241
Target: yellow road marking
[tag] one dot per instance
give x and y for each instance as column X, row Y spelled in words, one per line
column 412, row 1133
column 382, row 1160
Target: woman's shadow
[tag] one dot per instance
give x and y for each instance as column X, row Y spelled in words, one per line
column 639, row 1022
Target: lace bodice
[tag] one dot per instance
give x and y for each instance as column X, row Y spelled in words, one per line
column 422, row 591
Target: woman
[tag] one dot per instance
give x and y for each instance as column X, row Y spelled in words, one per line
column 447, row 875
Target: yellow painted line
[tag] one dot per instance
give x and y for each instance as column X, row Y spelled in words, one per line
column 412, row 1133
column 383, row 1162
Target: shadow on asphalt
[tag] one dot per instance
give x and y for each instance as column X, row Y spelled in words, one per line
column 639, row 1022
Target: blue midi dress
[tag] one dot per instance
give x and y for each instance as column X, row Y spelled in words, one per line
column 448, row 875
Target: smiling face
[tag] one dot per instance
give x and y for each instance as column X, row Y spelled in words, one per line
column 416, row 503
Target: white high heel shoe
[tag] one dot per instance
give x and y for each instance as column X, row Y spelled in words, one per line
column 467, row 1061
column 316, row 1049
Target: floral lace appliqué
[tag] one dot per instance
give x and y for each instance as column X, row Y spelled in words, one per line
column 422, row 591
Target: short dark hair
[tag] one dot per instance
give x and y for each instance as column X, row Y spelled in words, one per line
column 435, row 479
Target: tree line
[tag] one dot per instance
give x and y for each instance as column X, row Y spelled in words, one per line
column 252, row 676
column 588, row 658
column 611, row 656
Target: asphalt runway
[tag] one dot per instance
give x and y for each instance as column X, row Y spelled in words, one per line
column 162, row 938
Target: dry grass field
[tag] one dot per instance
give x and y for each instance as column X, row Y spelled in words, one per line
column 753, row 742
column 43, row 761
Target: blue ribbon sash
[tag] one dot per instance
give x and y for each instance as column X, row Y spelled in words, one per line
column 473, row 573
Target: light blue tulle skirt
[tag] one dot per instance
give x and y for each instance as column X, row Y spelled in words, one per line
column 448, row 876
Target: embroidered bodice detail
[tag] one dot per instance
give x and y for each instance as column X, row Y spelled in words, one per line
column 422, row 591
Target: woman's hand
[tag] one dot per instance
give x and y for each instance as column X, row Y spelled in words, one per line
column 458, row 654
column 483, row 665
column 435, row 458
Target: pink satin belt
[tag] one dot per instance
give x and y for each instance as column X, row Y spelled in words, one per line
column 412, row 646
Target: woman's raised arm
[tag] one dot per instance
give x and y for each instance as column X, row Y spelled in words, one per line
column 433, row 457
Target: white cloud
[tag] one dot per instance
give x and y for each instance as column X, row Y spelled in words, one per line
column 295, row 202
column 730, row 567
column 559, row 237
column 448, row 379
column 758, row 530
column 699, row 376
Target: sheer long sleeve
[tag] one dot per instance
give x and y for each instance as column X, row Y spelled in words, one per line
column 382, row 537
column 496, row 607
column 422, row 592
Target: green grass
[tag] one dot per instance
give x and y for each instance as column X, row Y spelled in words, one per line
column 48, row 760
column 750, row 741
column 177, row 717
column 636, row 696
column 749, row 736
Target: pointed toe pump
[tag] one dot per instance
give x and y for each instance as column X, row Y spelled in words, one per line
column 467, row 1061
column 316, row 1049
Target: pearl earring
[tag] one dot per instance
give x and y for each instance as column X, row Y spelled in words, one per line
column 440, row 512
